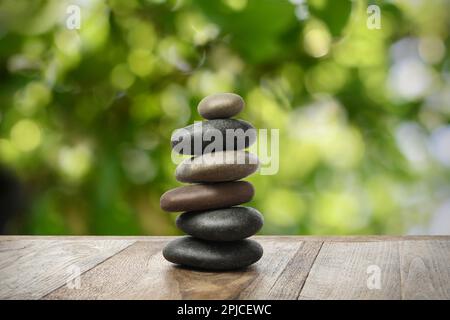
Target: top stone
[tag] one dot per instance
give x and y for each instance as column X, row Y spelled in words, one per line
column 220, row 106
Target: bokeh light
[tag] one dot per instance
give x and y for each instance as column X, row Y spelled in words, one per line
column 26, row 135
column 363, row 114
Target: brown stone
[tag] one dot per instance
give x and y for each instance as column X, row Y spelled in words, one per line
column 217, row 167
column 220, row 106
column 207, row 196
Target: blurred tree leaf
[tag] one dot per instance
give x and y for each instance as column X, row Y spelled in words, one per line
column 257, row 30
column 334, row 14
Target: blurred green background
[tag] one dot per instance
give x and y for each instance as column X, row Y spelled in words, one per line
column 86, row 115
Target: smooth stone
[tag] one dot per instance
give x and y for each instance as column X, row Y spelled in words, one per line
column 217, row 167
column 207, row 196
column 229, row 224
column 220, row 105
column 204, row 133
column 211, row 255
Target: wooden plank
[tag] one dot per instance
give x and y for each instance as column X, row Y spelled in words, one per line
column 282, row 270
column 258, row 238
column 139, row 272
column 340, row 271
column 149, row 276
column 29, row 269
column 291, row 268
column 425, row 269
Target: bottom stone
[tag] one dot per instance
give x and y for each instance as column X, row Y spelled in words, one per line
column 211, row 255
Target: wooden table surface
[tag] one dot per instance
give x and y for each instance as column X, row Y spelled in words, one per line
column 292, row 268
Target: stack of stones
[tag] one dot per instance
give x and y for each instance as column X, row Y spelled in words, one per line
column 217, row 225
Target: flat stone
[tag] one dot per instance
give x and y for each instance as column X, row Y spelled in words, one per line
column 207, row 196
column 220, row 106
column 217, row 167
column 213, row 135
column 211, row 255
column 229, row 224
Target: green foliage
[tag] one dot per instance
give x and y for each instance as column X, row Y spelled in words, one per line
column 86, row 115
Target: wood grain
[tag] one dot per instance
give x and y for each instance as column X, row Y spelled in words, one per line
column 291, row 268
column 149, row 276
column 139, row 272
column 292, row 238
column 29, row 269
column 283, row 269
column 425, row 269
column 341, row 271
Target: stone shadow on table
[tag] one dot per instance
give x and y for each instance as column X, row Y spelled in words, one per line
column 251, row 268
column 198, row 283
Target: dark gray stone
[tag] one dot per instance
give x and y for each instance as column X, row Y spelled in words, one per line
column 212, row 255
column 229, row 224
column 207, row 196
column 220, row 105
column 217, row 167
column 208, row 136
